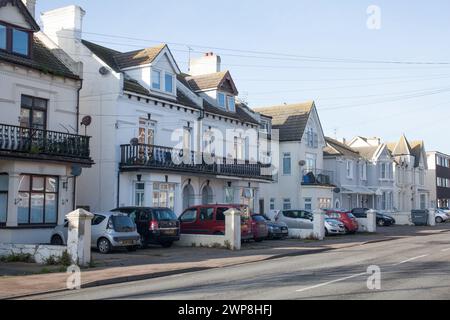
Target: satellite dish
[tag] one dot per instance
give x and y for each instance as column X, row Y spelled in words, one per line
column 337, row 190
column 86, row 121
column 103, row 71
column 302, row 163
column 134, row 142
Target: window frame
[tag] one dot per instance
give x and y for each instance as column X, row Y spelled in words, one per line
column 287, row 155
column 140, row 192
column 154, row 71
column 231, row 98
column 30, row 191
column 10, row 41
column 219, row 99
column 33, row 108
column 6, row 37
column 172, row 82
column 287, row 201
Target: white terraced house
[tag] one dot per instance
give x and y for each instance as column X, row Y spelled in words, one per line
column 41, row 152
column 153, row 126
column 302, row 181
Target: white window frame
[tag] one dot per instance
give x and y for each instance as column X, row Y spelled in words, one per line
column 272, row 204
column 166, row 74
column 154, row 71
column 349, row 169
column 287, row 205
column 141, row 193
column 308, row 203
column 287, row 155
column 219, row 95
column 231, row 98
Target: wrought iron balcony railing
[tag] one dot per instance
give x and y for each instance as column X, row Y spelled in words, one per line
column 144, row 156
column 317, row 177
column 37, row 143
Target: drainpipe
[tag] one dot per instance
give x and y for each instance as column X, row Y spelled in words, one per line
column 118, row 190
column 74, row 191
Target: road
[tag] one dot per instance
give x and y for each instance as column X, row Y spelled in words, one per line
column 411, row 268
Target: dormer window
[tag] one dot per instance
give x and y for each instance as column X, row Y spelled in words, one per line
column 231, row 104
column 14, row 40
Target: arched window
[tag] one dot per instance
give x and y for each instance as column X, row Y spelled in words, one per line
column 188, row 196
column 207, row 195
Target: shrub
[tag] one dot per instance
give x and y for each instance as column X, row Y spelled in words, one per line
column 19, row 257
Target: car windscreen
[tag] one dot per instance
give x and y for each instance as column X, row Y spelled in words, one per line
column 164, row 215
column 259, row 218
column 123, row 224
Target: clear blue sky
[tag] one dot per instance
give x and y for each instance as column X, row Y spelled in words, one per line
column 369, row 99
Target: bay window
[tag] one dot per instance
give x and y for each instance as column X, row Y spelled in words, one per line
column 38, row 200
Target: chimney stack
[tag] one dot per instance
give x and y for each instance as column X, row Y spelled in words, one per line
column 63, row 24
column 31, row 6
column 207, row 64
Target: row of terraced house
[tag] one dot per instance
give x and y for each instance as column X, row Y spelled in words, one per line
column 87, row 126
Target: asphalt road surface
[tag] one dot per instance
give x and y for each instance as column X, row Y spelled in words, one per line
column 411, row 268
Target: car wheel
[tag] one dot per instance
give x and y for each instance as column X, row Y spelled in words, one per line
column 56, row 241
column 381, row 223
column 167, row 244
column 326, row 232
column 439, row 220
column 104, row 246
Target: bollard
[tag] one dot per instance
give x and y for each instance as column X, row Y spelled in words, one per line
column 371, row 221
column 79, row 237
column 233, row 228
column 319, row 224
column 432, row 217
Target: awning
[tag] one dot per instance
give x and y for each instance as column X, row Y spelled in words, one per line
column 357, row 190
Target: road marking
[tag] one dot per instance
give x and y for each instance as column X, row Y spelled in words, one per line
column 412, row 259
column 445, row 250
column 331, row 282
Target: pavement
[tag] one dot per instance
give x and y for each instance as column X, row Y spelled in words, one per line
column 160, row 266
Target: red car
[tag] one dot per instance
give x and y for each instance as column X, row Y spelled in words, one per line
column 347, row 218
column 210, row 219
column 259, row 228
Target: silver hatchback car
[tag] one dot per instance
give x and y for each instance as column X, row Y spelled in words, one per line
column 110, row 230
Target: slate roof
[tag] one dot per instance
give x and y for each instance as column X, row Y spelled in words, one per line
column 212, row 81
column 290, row 120
column 134, row 86
column 367, row 152
column 118, row 60
column 336, row 148
column 41, row 59
column 417, row 147
column 401, row 148
column 23, row 9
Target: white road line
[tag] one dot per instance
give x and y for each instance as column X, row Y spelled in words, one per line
column 331, row 282
column 412, row 259
column 445, row 250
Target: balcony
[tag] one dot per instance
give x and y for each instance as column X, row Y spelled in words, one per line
column 36, row 144
column 316, row 177
column 150, row 157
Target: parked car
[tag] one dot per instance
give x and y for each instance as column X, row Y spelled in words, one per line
column 296, row 219
column 442, row 216
column 158, row 226
column 210, row 219
column 383, row 220
column 334, row 227
column 347, row 218
column 276, row 230
column 110, row 230
column 259, row 228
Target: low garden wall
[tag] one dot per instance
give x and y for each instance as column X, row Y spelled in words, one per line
column 402, row 218
column 37, row 253
column 301, row 234
column 200, row 240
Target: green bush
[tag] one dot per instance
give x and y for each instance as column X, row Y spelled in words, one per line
column 65, row 260
column 19, row 257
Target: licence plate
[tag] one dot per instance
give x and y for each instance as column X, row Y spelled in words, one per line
column 285, row 231
column 127, row 242
column 170, row 232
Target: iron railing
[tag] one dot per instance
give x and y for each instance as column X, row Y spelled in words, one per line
column 317, row 177
column 165, row 158
column 30, row 141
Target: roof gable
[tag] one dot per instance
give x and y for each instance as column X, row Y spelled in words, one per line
column 20, row 17
column 218, row 81
column 402, row 148
column 418, row 151
column 337, row 148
